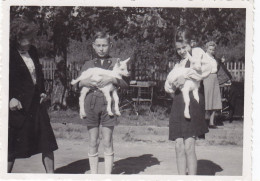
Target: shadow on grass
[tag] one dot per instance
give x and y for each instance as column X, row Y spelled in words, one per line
column 207, row 167
column 77, row 167
column 134, row 165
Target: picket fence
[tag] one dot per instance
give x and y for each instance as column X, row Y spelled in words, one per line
column 237, row 70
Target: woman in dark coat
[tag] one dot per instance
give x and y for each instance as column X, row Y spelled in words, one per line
column 29, row 130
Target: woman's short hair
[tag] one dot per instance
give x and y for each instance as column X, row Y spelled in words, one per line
column 101, row 34
column 20, row 27
column 210, row 43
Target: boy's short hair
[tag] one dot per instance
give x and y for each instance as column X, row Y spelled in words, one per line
column 211, row 43
column 101, row 34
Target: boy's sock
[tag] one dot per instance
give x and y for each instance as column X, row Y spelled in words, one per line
column 109, row 160
column 93, row 163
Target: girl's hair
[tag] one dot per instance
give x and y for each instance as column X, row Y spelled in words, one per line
column 183, row 34
column 210, row 43
column 20, row 27
column 101, row 34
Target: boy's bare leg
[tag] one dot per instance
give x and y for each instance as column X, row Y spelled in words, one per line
column 107, row 133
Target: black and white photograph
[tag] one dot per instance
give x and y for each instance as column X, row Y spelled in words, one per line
column 128, row 90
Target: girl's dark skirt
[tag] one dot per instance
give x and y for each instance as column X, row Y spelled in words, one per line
column 30, row 133
column 179, row 126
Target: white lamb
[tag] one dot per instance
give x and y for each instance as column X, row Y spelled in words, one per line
column 198, row 69
column 96, row 74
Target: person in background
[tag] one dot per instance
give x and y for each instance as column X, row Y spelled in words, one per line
column 211, row 86
column 223, row 74
column 95, row 104
column 29, row 130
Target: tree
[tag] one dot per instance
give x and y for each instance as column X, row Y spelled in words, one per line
column 146, row 33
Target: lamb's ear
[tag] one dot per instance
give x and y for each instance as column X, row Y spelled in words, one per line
column 125, row 61
column 118, row 62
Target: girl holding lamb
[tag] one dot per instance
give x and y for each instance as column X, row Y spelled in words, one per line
column 182, row 130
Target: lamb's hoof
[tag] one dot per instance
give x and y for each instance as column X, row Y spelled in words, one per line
column 198, row 101
column 110, row 114
column 82, row 115
column 187, row 115
column 118, row 113
column 73, row 82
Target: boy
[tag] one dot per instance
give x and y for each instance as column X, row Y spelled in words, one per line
column 95, row 104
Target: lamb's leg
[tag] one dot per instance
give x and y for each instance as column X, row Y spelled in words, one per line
column 186, row 97
column 109, row 101
column 74, row 81
column 196, row 95
column 116, row 99
column 82, row 96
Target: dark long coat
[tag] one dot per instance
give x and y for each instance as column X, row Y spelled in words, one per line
column 29, row 130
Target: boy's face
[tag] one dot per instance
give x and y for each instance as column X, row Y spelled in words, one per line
column 101, row 46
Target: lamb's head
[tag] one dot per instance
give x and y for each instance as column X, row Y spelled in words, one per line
column 196, row 65
column 196, row 59
column 121, row 67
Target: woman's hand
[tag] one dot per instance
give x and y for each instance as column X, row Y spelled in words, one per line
column 15, row 104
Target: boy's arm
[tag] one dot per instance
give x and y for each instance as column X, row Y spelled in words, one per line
column 120, row 83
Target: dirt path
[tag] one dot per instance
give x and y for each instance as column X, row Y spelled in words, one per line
column 138, row 158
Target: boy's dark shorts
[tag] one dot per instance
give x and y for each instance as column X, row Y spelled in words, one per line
column 96, row 110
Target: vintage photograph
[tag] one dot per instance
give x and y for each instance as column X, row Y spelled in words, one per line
column 126, row 90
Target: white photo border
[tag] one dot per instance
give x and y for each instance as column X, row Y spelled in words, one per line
column 4, row 68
